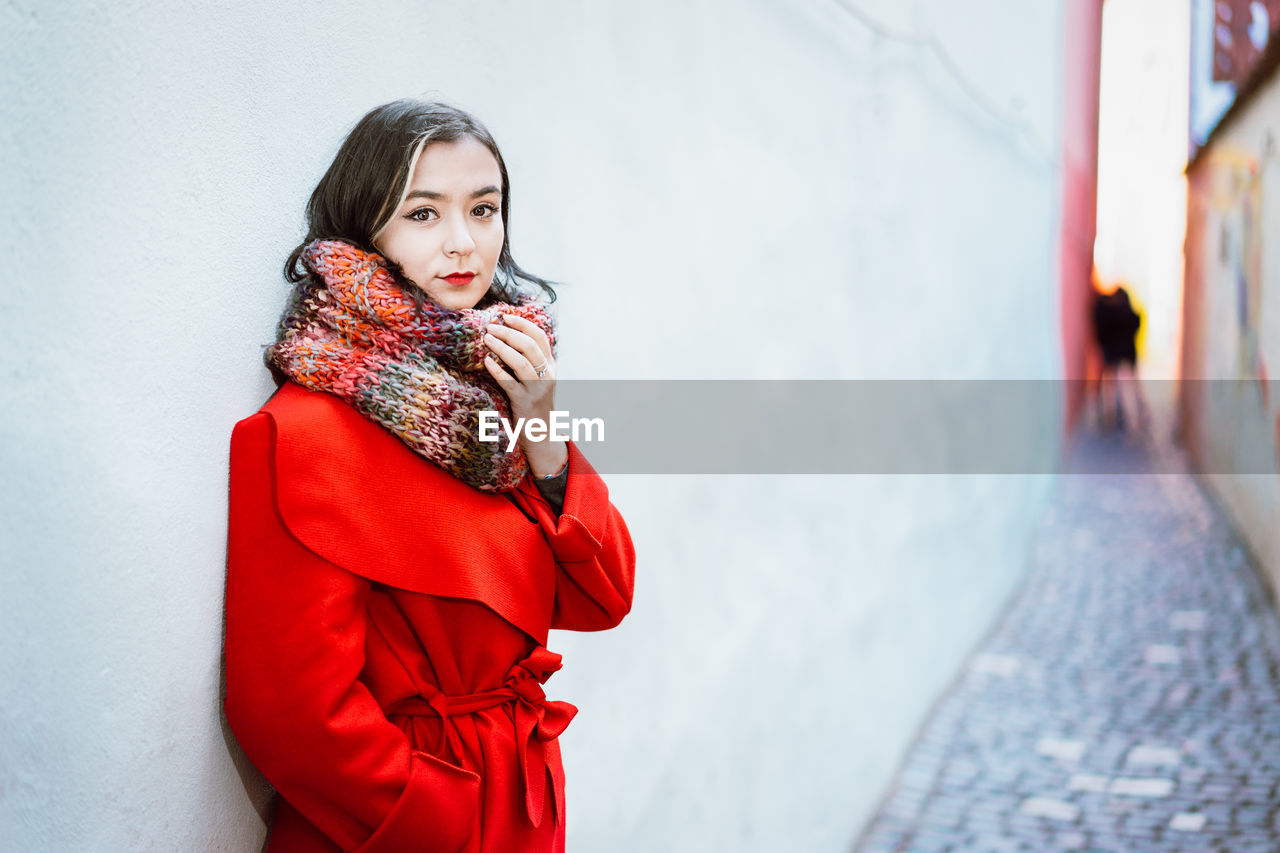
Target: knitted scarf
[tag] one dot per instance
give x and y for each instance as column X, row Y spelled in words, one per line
column 351, row 331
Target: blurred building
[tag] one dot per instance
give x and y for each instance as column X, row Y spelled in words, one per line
column 1229, row 411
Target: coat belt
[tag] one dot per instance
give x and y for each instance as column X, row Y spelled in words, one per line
column 538, row 721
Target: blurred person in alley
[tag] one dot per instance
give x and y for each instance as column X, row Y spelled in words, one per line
column 1115, row 327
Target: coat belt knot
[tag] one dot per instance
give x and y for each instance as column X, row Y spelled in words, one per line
column 538, row 721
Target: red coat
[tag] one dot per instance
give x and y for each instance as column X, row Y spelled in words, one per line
column 385, row 634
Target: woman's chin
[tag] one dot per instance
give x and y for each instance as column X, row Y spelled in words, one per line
column 457, row 301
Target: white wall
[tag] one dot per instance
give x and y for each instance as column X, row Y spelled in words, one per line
column 758, row 189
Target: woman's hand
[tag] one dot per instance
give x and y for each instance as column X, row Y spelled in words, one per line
column 519, row 350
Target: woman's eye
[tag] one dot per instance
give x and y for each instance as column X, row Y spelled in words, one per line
column 488, row 210
column 420, row 215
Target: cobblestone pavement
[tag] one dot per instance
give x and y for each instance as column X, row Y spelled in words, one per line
column 1129, row 698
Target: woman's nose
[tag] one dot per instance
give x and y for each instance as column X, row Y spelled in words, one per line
column 458, row 239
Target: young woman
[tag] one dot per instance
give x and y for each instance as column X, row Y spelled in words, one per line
column 391, row 578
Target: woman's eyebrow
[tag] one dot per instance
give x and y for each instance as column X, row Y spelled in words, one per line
column 445, row 196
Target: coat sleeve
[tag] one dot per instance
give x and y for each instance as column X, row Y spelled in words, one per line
column 595, row 559
column 295, row 635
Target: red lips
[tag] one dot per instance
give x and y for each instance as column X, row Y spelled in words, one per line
column 459, row 279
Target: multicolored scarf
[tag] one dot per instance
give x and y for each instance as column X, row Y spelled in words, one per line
column 350, row 330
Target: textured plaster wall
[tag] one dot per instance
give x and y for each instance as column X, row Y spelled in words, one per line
column 758, row 189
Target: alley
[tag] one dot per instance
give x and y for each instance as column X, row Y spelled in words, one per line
column 1128, row 699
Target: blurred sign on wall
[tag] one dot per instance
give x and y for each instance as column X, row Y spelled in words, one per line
column 1227, row 40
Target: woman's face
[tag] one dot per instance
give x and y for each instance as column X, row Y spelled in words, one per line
column 450, row 223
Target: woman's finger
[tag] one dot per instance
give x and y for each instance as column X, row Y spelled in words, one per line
column 510, row 359
column 518, row 351
column 501, row 373
column 531, row 329
column 527, row 346
column 542, row 358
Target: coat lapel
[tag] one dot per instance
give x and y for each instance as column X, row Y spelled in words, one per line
column 353, row 493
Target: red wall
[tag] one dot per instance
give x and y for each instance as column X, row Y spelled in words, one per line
column 1082, row 66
